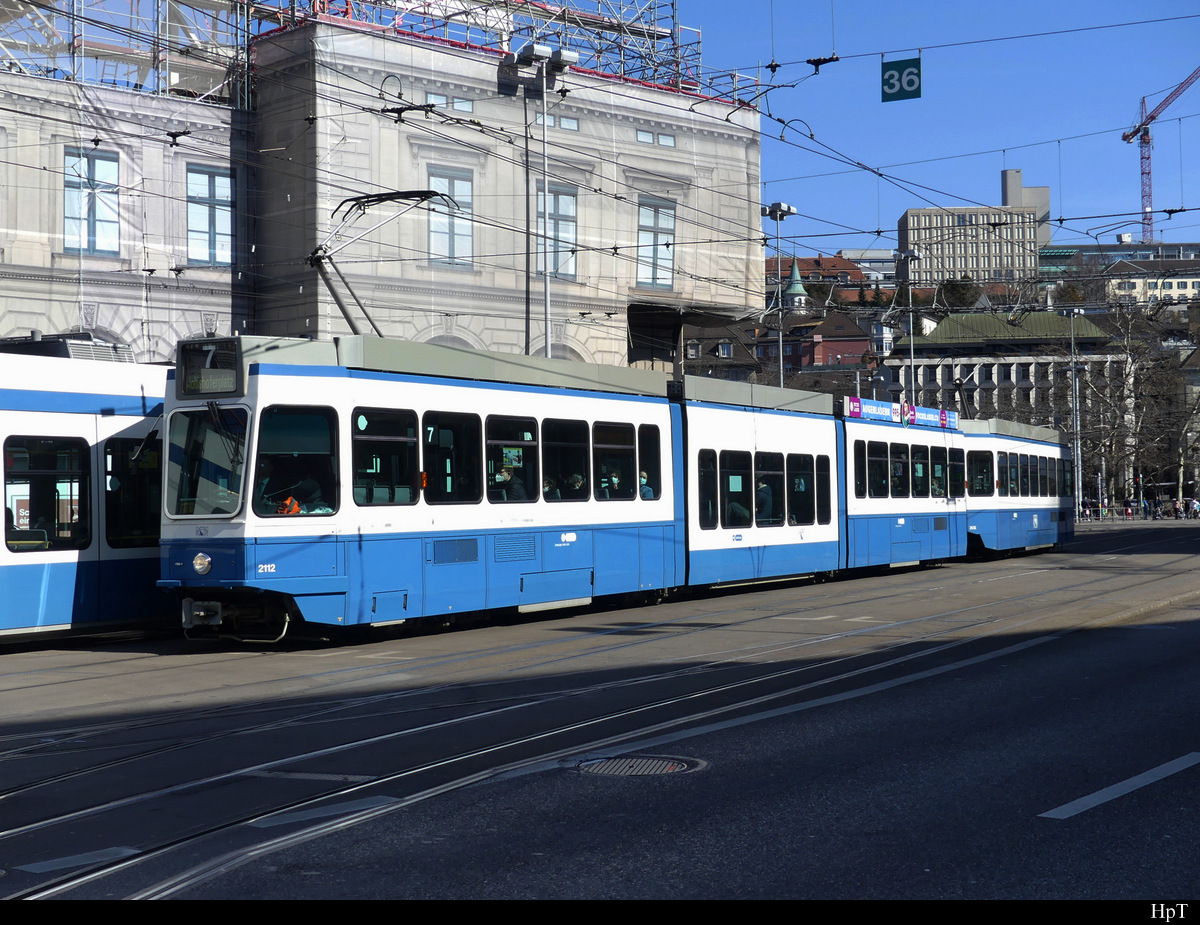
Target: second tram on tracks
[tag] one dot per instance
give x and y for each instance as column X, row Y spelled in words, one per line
column 366, row 481
column 82, row 485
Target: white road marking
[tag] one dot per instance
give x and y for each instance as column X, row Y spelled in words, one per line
column 828, row 616
column 1067, row 810
column 1017, row 575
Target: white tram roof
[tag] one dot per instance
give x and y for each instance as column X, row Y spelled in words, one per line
column 386, row 355
column 1000, row 427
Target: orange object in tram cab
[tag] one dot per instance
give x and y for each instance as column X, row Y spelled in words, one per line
column 288, row 506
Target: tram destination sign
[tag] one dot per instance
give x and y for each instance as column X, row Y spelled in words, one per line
column 209, row 368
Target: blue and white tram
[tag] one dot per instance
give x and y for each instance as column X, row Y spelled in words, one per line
column 1020, row 486
column 306, row 480
column 366, row 481
column 81, row 491
column 905, row 488
column 764, row 497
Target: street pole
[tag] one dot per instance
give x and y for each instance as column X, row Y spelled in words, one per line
column 1078, row 463
column 545, row 215
column 779, row 211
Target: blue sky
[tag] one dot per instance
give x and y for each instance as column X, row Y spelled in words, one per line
column 1053, row 106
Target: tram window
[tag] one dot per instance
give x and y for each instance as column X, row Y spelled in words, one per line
column 297, row 462
column 802, row 489
column 824, row 488
column 958, row 474
column 1052, row 475
column 564, row 460
column 737, row 495
column 205, row 458
column 1002, row 474
column 613, row 462
column 649, row 462
column 920, row 472
column 937, row 471
column 860, row 469
column 512, row 460
column 1024, row 476
column 706, row 484
column 877, row 469
column 452, row 454
column 384, row 446
column 46, row 492
column 980, row 481
column 1014, row 478
column 132, row 492
column 1043, row 479
column 768, row 489
column 899, row 470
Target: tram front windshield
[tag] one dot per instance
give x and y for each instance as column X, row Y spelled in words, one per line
column 205, row 459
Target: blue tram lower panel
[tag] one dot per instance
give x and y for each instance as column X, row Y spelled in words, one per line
column 1022, row 528
column 749, row 563
column 887, row 540
column 384, row 578
column 74, row 594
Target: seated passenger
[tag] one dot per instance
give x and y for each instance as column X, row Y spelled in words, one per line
column 576, row 488
column 511, row 485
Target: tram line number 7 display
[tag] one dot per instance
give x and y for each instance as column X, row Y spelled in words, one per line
column 901, row 80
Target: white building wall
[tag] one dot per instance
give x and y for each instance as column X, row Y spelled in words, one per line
column 481, row 135
column 135, row 287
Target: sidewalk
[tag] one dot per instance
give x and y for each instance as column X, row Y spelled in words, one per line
column 1110, row 522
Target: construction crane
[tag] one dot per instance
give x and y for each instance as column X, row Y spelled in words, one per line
column 1141, row 132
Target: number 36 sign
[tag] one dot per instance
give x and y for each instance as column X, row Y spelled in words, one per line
column 902, row 80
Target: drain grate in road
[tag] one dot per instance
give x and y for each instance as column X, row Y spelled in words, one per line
column 639, row 765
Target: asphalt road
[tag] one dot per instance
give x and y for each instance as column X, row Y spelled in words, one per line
column 1022, row 728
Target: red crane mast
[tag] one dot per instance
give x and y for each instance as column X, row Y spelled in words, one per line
column 1141, row 132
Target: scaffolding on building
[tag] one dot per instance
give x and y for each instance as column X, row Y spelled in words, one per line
column 202, row 48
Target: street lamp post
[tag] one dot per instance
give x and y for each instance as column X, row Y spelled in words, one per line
column 779, row 211
column 550, row 60
column 908, row 256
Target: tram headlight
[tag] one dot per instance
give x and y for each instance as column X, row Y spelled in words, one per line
column 202, row 563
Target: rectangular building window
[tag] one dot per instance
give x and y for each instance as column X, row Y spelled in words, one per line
column 451, row 230
column 90, row 210
column 210, row 216
column 441, row 101
column 656, row 235
column 562, row 231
